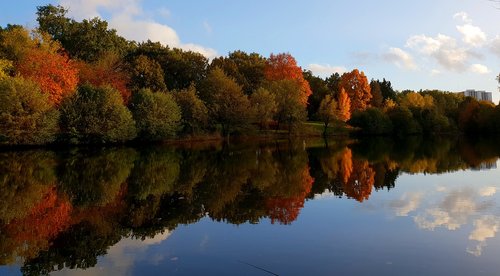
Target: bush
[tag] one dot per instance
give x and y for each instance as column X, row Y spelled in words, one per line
column 403, row 122
column 26, row 115
column 96, row 115
column 371, row 121
column 157, row 115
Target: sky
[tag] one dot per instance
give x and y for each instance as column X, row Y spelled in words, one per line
column 450, row 45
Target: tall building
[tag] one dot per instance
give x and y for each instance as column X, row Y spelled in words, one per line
column 479, row 95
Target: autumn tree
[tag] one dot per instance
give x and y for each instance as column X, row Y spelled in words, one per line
column 40, row 59
column 357, row 88
column 284, row 67
column 327, row 111
column 227, row 104
column 344, row 106
column 194, row 112
column 264, row 105
column 147, row 73
column 6, row 67
column 107, row 70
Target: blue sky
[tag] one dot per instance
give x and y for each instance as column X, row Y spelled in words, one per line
column 443, row 44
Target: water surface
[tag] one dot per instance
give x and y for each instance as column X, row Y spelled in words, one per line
column 370, row 207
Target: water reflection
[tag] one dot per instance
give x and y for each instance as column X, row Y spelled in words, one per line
column 63, row 209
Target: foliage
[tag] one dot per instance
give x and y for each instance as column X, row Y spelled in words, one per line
column 344, row 105
column 26, row 114
column 194, row 112
column 402, row 121
column 107, row 70
column 96, row 115
column 246, row 69
column 284, row 67
column 6, row 67
column 320, row 90
column 357, row 88
column 87, row 40
column 327, row 111
column 157, row 115
column 288, row 95
column 264, row 104
column 377, row 97
column 371, row 121
column 227, row 104
column 147, row 73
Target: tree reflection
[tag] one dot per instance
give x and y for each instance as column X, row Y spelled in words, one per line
column 66, row 208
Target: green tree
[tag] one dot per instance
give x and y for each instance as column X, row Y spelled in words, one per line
column 147, row 73
column 402, row 121
column 246, row 69
column 227, row 104
column 96, row 115
column 157, row 115
column 288, row 95
column 264, row 105
column 327, row 112
column 194, row 112
column 320, row 90
column 371, row 121
column 377, row 98
column 26, row 114
column 87, row 40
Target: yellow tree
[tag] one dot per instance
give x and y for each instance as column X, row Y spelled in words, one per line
column 358, row 89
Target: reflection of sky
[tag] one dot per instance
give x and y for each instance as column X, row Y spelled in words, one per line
column 465, row 199
column 122, row 256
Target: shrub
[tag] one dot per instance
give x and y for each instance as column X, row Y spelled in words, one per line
column 371, row 121
column 26, row 114
column 96, row 115
column 157, row 115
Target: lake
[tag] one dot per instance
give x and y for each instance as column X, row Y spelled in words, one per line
column 418, row 206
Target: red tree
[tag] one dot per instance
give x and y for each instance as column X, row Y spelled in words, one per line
column 284, row 67
column 55, row 73
column 106, row 71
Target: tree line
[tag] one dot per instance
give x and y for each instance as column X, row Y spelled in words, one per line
column 80, row 82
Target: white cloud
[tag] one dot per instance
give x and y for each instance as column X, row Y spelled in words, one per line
column 435, row 72
column 479, row 69
column 442, row 48
column 407, row 204
column 400, row 58
column 485, row 228
column 462, row 16
column 119, row 259
column 453, row 212
column 487, row 191
column 472, row 35
column 325, row 70
column 495, row 46
column 130, row 21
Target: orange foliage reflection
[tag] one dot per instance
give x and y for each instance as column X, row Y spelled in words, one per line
column 285, row 210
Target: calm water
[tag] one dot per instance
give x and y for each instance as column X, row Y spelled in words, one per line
column 375, row 207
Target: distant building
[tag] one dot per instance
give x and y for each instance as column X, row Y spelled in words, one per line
column 478, row 95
